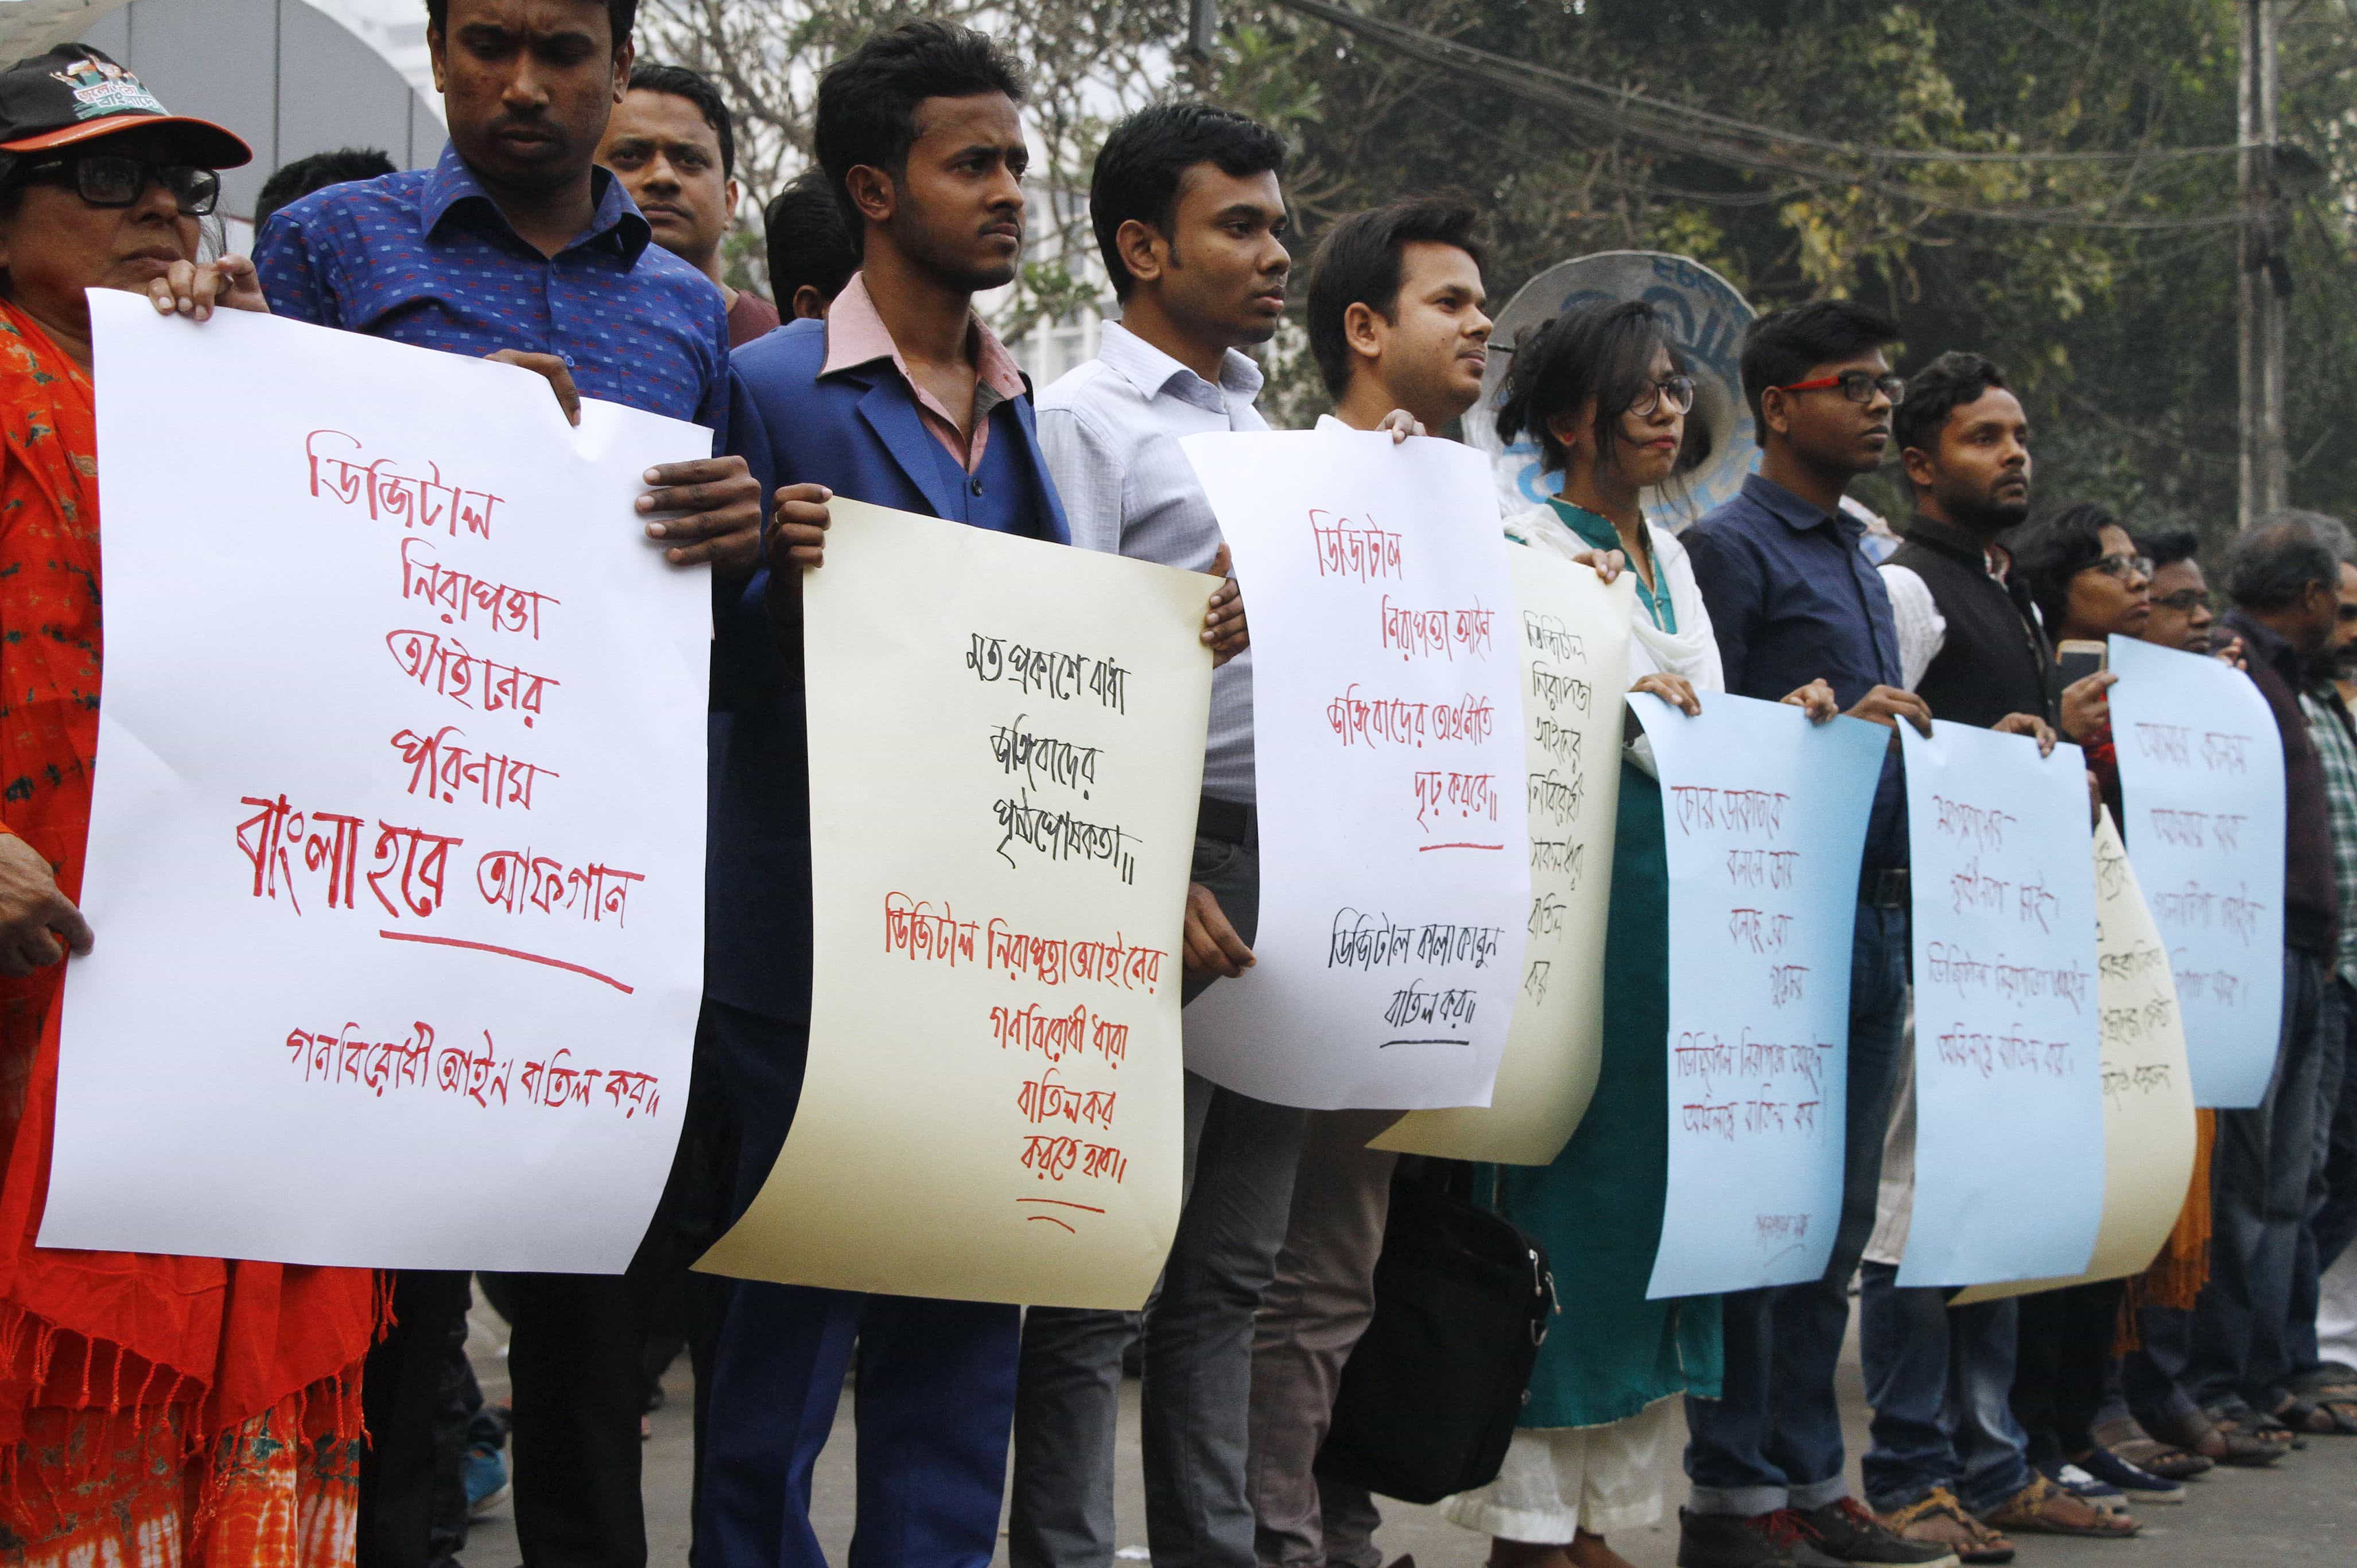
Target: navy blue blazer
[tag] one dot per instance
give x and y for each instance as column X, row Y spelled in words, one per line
column 858, row 433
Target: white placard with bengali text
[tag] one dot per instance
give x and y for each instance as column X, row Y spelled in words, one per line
column 1388, row 745
column 2201, row 797
column 396, row 855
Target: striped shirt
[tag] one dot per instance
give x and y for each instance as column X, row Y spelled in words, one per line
column 2327, row 724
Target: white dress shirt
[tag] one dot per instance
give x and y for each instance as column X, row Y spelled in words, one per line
column 1110, row 431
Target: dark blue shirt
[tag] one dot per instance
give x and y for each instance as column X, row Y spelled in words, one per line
column 427, row 257
column 1793, row 599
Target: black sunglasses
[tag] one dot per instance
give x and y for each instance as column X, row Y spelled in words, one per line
column 109, row 179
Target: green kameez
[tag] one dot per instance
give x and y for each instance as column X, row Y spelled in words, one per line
column 1597, row 1208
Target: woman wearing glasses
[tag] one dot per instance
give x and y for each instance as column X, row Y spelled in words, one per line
column 154, row 1408
column 1601, row 390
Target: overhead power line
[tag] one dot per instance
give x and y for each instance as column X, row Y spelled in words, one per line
column 1727, row 140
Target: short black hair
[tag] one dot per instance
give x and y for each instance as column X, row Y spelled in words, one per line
column 868, row 99
column 1603, row 349
column 622, row 13
column 2047, row 555
column 2271, row 566
column 293, row 182
column 2168, row 546
column 698, row 89
column 1359, row 263
column 1139, row 168
column 1935, row 392
column 803, row 227
column 1784, row 345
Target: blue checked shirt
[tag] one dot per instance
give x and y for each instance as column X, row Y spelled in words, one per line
column 427, row 257
column 2327, row 724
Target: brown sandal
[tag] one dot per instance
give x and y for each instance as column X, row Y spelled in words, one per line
column 2042, row 1508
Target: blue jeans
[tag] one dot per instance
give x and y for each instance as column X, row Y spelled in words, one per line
column 1941, row 1381
column 935, row 1398
column 1773, row 1439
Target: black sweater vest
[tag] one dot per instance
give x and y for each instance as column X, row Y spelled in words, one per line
column 1995, row 659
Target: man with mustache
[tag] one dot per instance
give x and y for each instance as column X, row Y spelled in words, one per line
column 674, row 143
column 1190, row 222
column 1971, row 645
column 517, row 245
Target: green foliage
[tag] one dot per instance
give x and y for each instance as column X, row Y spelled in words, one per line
column 2120, row 328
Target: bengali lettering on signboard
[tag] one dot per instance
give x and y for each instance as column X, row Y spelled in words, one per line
column 381, row 902
column 1006, row 748
column 1388, row 745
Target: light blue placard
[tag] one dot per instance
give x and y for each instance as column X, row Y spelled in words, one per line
column 2009, row 1056
column 1765, row 816
column 2202, row 788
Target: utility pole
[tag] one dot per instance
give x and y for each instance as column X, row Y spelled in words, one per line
column 2264, row 278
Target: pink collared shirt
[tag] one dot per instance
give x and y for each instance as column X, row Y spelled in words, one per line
column 855, row 335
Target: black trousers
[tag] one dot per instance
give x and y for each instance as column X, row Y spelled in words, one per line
column 2063, row 1365
column 413, row 1491
column 575, row 1363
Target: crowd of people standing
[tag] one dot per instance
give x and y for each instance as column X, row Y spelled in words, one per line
column 169, row 1410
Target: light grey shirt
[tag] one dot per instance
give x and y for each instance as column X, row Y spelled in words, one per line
column 1110, row 431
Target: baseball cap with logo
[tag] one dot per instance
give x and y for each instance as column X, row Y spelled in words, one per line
column 74, row 94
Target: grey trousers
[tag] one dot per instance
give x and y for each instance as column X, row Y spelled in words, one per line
column 1309, row 1322
column 1197, row 1331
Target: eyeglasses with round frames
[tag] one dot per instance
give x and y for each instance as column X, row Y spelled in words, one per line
column 1858, row 386
column 108, row 179
column 2124, row 567
column 1678, row 391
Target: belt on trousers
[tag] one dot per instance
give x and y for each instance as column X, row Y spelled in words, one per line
column 1224, row 820
column 1885, row 889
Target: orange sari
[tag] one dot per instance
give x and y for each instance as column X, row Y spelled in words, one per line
column 153, row 1409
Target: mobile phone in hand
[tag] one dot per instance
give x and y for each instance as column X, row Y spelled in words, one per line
column 2079, row 659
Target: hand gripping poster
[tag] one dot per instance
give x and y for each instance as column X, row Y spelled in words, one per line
column 2009, row 1095
column 1005, row 756
column 1572, row 636
column 396, row 851
column 1765, row 816
column 1390, row 757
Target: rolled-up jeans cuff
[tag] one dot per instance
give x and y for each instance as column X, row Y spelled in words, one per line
column 1741, row 1502
column 1816, row 1494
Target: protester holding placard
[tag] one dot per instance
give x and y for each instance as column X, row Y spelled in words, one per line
column 901, row 397
column 138, row 1385
column 1172, row 178
column 1950, row 1464
column 1602, row 391
column 516, row 244
column 1792, row 599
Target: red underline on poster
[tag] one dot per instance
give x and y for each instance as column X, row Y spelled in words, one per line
column 507, row 952
column 1050, row 1220
column 1429, row 848
column 1061, row 1204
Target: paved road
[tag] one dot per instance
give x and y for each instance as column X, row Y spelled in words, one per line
column 2302, row 1512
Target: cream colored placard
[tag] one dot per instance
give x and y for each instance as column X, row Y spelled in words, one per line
column 2148, row 1086
column 1006, row 756
column 1573, row 639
